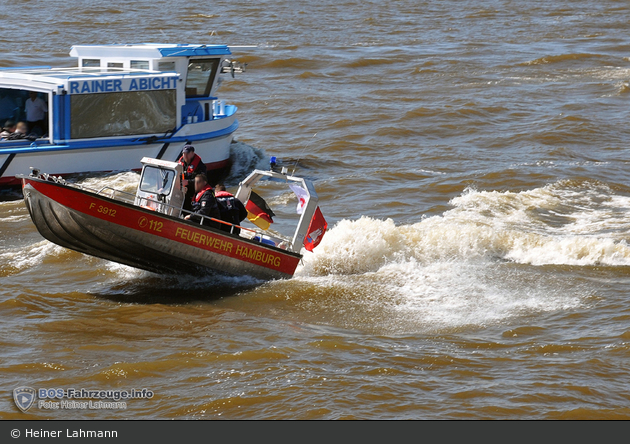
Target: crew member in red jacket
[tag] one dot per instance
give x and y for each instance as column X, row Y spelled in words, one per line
column 193, row 165
column 232, row 210
column 204, row 203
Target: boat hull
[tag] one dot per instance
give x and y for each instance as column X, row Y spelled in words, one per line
column 116, row 231
column 99, row 156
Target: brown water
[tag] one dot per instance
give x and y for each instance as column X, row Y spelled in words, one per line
column 471, row 161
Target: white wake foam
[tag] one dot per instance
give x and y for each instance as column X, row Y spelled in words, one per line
column 245, row 158
column 479, row 263
column 559, row 224
column 26, row 257
column 125, row 181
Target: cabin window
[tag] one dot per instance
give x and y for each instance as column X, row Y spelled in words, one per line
column 14, row 104
column 201, row 74
column 117, row 65
column 91, row 63
column 139, row 64
column 157, row 180
column 166, row 66
column 122, row 113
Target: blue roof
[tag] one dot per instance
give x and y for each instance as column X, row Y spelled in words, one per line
column 190, row 50
column 158, row 49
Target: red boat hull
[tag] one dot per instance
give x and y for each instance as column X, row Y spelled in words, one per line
column 120, row 232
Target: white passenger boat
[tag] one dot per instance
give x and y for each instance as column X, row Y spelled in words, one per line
column 120, row 104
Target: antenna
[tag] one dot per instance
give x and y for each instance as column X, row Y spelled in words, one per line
column 243, row 46
column 302, row 154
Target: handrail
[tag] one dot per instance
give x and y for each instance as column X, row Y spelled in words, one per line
column 181, row 210
column 258, row 232
column 114, row 191
column 203, row 217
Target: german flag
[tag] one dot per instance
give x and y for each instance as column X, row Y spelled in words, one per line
column 258, row 212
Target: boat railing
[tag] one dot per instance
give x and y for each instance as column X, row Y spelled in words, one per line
column 282, row 241
column 122, row 195
column 62, row 181
column 276, row 237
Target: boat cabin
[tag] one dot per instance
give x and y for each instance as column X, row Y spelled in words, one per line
column 119, row 91
column 161, row 189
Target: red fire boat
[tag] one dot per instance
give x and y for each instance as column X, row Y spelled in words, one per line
column 147, row 230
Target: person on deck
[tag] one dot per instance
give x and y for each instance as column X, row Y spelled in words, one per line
column 8, row 129
column 21, row 132
column 193, row 165
column 36, row 110
column 204, row 203
column 232, row 210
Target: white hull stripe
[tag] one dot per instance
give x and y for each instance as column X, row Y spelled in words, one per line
column 6, row 163
column 34, row 148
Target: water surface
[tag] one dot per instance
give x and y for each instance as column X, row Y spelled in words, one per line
column 471, row 161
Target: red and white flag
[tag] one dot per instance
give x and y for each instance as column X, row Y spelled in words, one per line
column 302, row 195
column 316, row 230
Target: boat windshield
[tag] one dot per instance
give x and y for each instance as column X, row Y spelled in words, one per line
column 201, row 74
column 157, row 180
